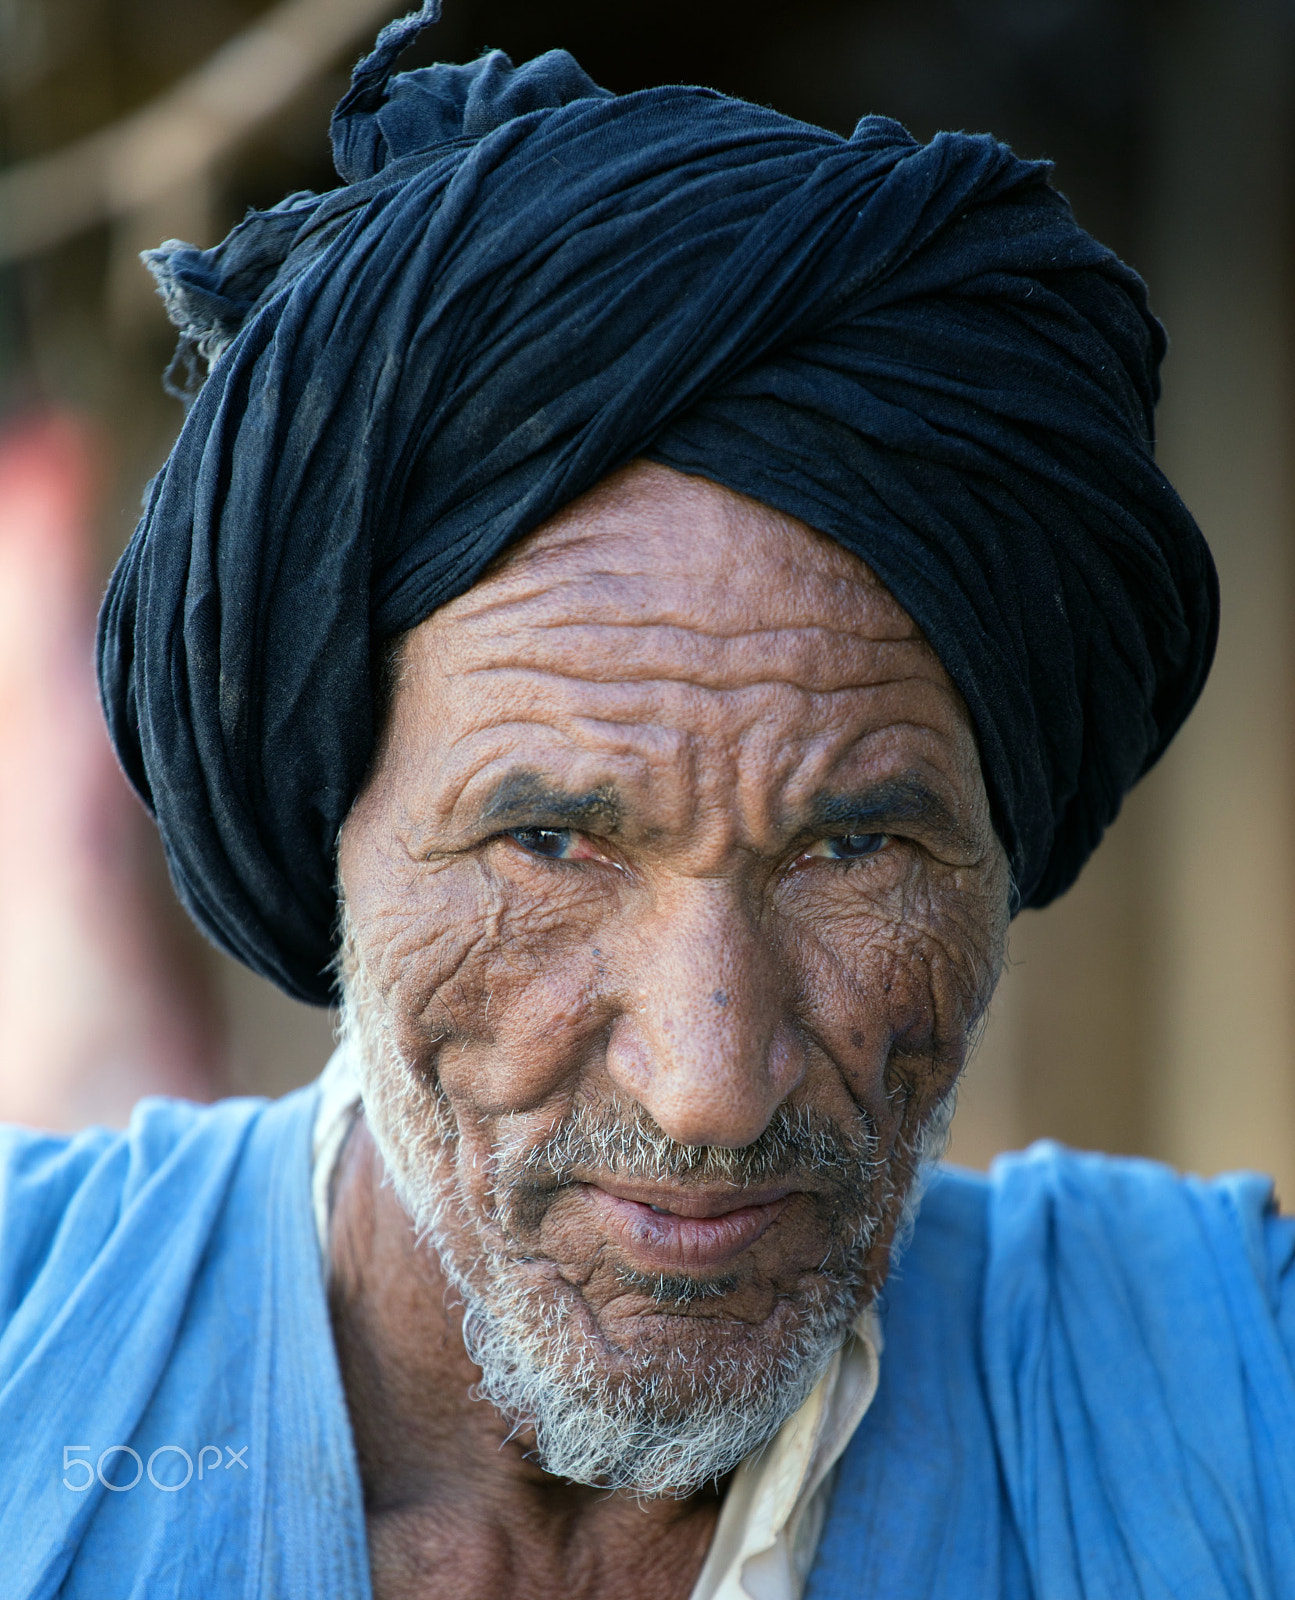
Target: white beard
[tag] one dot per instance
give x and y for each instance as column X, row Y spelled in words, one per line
column 649, row 1421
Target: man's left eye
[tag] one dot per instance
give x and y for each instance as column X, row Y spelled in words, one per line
column 849, row 846
column 555, row 843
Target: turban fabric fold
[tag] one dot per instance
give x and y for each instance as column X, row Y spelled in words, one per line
column 524, row 282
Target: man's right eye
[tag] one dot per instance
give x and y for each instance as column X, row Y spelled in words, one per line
column 555, row 843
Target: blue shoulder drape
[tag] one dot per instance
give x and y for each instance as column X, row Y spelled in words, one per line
column 1087, row 1389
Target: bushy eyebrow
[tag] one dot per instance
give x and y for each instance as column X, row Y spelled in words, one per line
column 893, row 805
column 524, row 799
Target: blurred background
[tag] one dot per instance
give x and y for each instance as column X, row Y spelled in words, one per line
column 1153, row 1009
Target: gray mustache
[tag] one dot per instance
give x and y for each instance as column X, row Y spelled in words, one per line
column 623, row 1140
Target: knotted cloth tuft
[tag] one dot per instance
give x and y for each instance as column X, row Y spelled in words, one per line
column 525, row 282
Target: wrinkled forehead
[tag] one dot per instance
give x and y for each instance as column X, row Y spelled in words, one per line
column 681, row 641
column 652, row 550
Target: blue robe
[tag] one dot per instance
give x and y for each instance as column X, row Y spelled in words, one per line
column 1087, row 1389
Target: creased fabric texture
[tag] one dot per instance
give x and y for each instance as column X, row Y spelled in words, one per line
column 525, row 282
column 1087, row 1389
column 160, row 1292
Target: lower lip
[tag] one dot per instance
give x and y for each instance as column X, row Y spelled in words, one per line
column 665, row 1242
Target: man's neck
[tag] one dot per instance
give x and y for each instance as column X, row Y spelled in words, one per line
column 455, row 1504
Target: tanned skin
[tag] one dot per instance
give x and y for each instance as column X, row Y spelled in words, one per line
column 675, row 804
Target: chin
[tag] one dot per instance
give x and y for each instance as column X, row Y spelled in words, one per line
column 673, row 1402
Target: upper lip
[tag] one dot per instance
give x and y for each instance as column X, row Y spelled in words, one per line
column 710, row 1202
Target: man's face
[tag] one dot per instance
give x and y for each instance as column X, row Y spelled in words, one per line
column 672, row 898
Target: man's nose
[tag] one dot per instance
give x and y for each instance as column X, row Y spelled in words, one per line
column 704, row 1042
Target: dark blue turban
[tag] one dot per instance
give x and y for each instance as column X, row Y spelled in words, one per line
column 523, row 283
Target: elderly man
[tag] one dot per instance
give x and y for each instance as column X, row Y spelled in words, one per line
column 644, row 593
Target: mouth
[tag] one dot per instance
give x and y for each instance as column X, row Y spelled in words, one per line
column 675, row 1231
